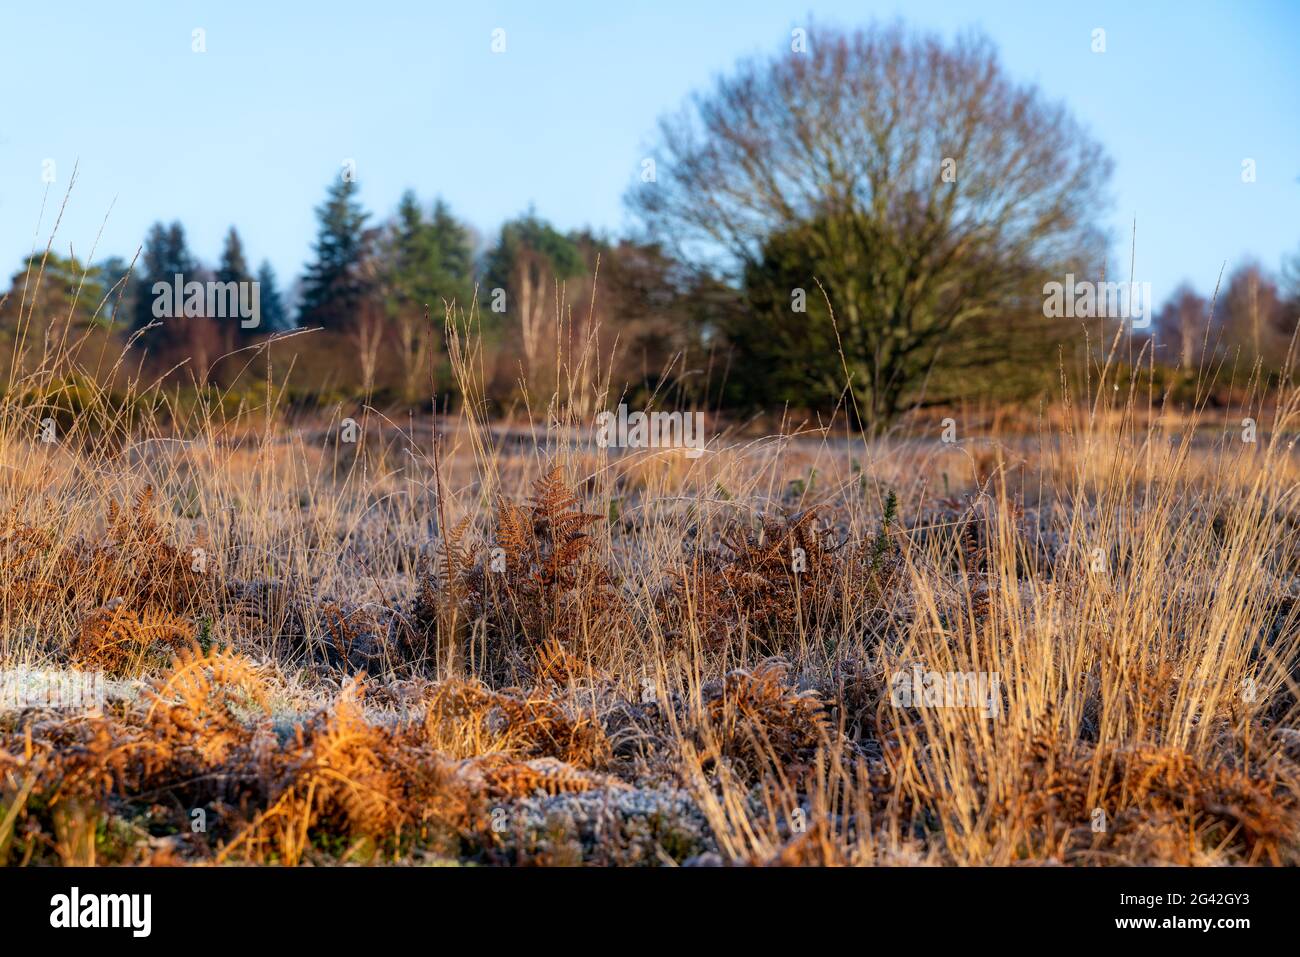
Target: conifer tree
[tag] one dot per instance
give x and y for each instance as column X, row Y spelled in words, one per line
column 165, row 256
column 275, row 318
column 337, row 282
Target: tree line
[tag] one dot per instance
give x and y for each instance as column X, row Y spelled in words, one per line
column 863, row 222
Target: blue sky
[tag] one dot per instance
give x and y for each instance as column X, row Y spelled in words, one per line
column 252, row 131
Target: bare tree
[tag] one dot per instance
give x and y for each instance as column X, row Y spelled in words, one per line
column 1255, row 316
column 1183, row 325
column 532, row 306
column 413, row 332
column 532, row 261
column 928, row 189
column 367, row 324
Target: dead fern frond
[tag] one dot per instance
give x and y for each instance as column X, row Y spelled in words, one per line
column 543, row 586
column 501, row 777
column 116, row 639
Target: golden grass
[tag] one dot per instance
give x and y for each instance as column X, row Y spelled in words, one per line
column 500, row 643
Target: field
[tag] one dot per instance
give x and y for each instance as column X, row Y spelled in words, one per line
column 1068, row 635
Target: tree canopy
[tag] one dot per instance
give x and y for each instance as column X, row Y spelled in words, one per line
column 914, row 180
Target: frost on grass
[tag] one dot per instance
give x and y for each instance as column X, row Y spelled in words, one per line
column 663, row 666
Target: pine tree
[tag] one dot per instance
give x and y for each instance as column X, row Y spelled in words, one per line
column 336, row 282
column 455, row 254
column 521, row 271
column 427, row 260
column 427, row 263
column 165, row 256
column 233, row 267
column 57, row 292
column 531, row 248
column 115, row 274
column 410, row 254
column 275, row 318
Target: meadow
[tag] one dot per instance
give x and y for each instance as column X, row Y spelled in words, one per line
column 1053, row 635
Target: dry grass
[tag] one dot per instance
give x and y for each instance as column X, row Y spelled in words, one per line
column 444, row 642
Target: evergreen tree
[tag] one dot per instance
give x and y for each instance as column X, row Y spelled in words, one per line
column 336, row 282
column 165, row 255
column 530, row 251
column 455, row 252
column 114, row 275
column 54, row 290
column 521, row 274
column 233, row 267
column 427, row 263
column 427, row 260
column 275, row 318
column 410, row 255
